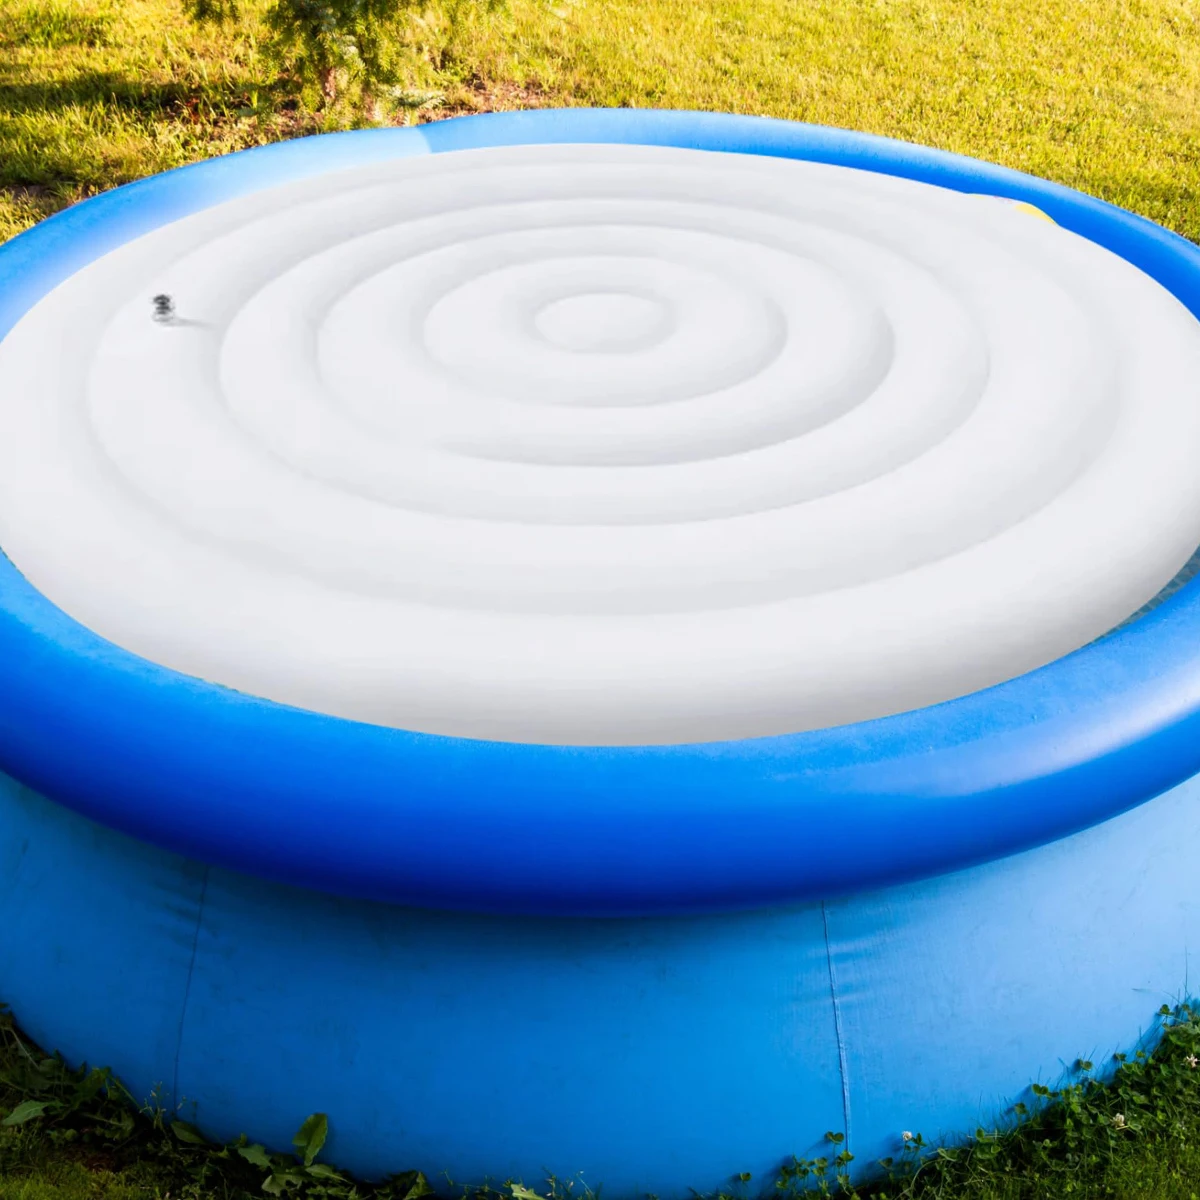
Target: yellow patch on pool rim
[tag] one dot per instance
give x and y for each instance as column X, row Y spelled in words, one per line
column 1032, row 209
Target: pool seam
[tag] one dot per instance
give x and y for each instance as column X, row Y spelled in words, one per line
column 837, row 1028
column 176, row 1100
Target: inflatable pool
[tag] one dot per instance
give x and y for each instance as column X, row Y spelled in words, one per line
column 597, row 643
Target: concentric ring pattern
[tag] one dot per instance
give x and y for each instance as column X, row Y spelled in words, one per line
column 609, row 444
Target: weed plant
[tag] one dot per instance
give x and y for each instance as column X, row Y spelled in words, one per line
column 1131, row 1132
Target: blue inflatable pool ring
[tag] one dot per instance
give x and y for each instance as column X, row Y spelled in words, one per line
column 593, row 642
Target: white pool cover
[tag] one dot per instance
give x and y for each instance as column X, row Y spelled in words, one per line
column 603, row 444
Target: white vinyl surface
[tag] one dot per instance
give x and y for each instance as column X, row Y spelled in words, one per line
column 603, row 444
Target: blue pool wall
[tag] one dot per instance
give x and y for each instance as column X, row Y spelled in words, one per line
column 649, row 1055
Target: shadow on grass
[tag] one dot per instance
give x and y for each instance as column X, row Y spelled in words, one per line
column 116, row 91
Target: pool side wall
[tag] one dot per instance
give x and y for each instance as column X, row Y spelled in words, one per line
column 647, row 1055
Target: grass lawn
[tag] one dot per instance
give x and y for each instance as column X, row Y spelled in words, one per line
column 1103, row 95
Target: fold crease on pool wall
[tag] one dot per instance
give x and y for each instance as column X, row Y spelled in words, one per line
column 487, row 945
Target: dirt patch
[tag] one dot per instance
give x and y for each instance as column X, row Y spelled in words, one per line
column 485, row 95
column 22, row 205
column 28, row 193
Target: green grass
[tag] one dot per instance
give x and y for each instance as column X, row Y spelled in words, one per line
column 1103, row 95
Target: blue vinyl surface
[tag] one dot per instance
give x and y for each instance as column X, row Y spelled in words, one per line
column 447, row 823
column 651, row 1054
